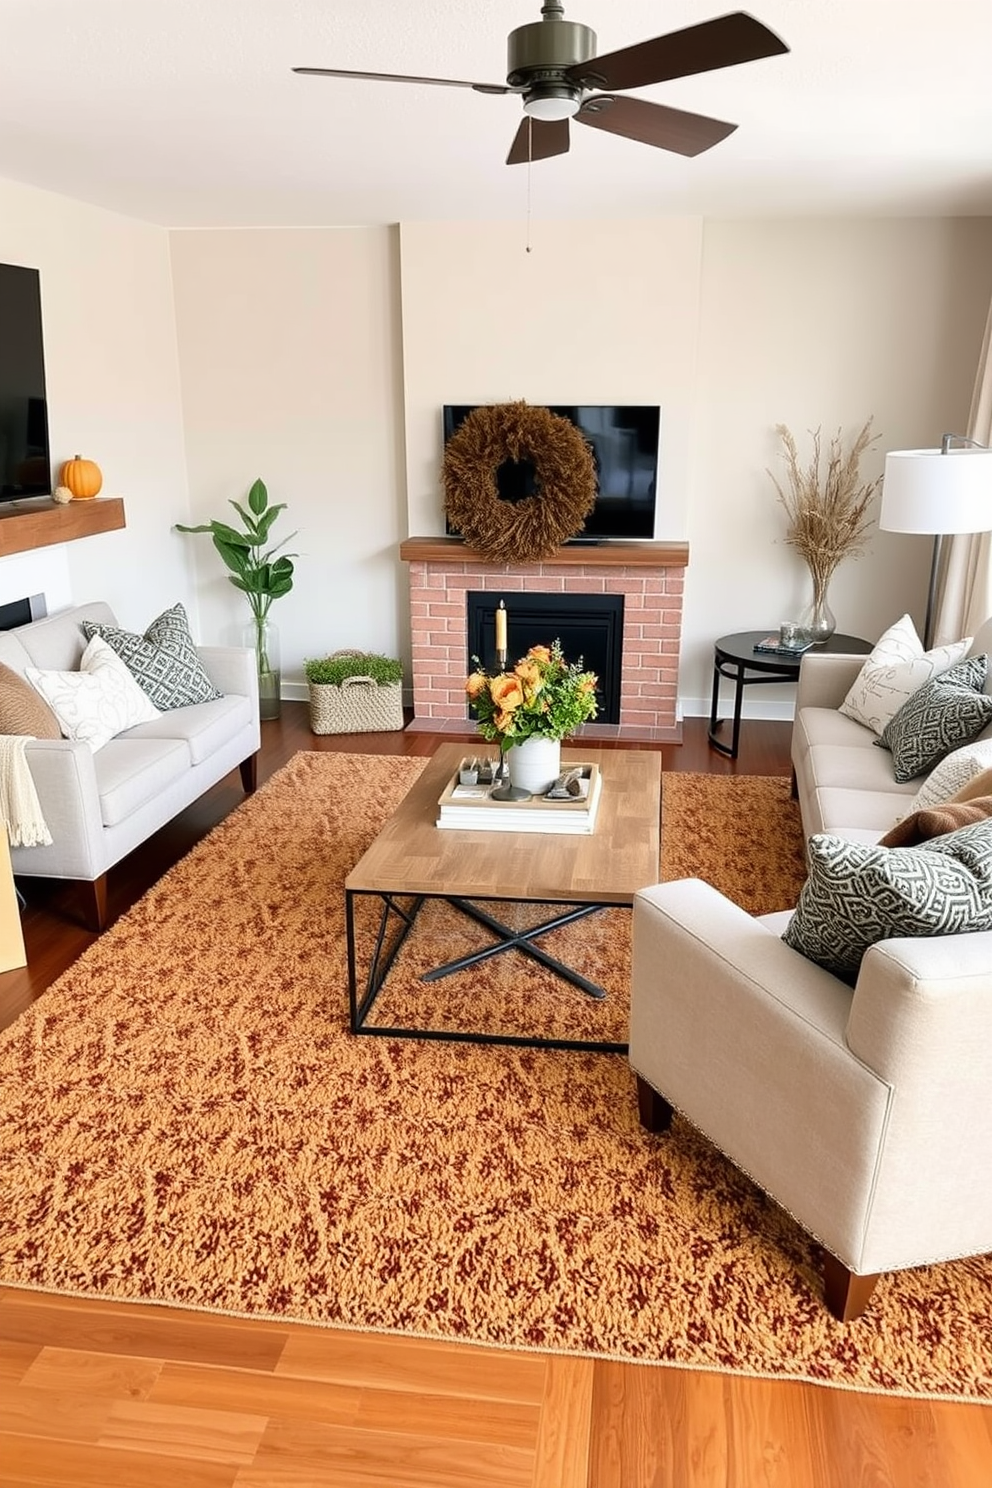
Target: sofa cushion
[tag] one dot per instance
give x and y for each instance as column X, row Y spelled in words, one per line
column 897, row 666
column 954, row 772
column 163, row 661
column 131, row 772
column 857, row 895
column 23, row 710
column 97, row 702
column 204, row 727
column 944, row 713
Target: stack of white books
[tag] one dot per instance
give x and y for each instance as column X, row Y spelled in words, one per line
column 472, row 808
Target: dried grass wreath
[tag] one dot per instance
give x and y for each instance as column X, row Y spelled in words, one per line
column 564, row 468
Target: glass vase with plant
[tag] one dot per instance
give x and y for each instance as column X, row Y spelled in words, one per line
column 828, row 513
column 262, row 578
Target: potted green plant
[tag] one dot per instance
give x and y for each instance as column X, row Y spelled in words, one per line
column 354, row 692
column 262, row 577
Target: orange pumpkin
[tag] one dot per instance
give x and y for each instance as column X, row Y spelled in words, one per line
column 83, row 477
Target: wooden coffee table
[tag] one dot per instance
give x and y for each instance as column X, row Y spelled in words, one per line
column 412, row 860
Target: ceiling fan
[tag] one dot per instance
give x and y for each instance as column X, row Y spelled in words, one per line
column 551, row 63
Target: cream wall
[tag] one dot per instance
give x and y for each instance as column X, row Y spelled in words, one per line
column 594, row 313
column 113, row 393
column 289, row 343
column 807, row 323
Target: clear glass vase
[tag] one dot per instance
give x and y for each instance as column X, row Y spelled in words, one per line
column 817, row 623
column 263, row 638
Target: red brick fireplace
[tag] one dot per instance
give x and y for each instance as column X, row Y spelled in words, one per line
column 649, row 575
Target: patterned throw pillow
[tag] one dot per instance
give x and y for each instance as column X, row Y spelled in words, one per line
column 857, row 895
column 895, row 669
column 99, row 701
column 163, row 661
column 22, row 711
column 938, row 717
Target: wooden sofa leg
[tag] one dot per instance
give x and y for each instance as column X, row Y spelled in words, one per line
column 653, row 1109
column 95, row 904
column 793, row 785
column 249, row 774
column 845, row 1294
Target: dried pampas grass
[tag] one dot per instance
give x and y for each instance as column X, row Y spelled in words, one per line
column 828, row 512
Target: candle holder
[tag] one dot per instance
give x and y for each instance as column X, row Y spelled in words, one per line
column 503, row 790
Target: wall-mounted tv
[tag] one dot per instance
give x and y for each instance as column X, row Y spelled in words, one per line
column 624, row 442
column 25, row 457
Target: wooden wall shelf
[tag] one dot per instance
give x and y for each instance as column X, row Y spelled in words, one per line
column 600, row 555
column 41, row 522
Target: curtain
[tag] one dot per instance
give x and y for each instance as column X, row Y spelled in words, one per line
column 964, row 585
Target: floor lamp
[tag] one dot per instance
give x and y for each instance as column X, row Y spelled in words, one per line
column 938, row 491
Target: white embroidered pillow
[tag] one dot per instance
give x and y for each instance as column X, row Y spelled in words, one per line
column 953, row 773
column 897, row 667
column 99, row 701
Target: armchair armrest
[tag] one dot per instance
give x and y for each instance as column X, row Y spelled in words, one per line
column 825, row 681
column 65, row 780
column 231, row 669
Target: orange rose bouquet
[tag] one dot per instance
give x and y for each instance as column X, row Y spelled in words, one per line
column 543, row 696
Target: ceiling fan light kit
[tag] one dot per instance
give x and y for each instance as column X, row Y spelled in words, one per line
column 552, row 64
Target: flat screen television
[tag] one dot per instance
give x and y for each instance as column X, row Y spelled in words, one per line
column 624, row 442
column 25, row 456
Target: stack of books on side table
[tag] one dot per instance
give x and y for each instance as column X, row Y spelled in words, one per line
column 471, row 808
column 773, row 645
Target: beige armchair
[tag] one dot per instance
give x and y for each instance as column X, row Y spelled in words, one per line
column 865, row 1113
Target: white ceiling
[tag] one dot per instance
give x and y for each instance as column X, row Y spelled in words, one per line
column 186, row 113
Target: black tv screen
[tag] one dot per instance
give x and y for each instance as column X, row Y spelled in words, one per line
column 25, row 457
column 624, row 442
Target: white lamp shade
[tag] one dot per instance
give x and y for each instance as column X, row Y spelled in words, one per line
column 930, row 490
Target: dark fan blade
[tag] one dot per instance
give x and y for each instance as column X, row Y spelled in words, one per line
column 721, row 43
column 653, row 124
column 399, row 77
column 538, row 139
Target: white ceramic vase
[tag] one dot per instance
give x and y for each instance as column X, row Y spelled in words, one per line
column 535, row 764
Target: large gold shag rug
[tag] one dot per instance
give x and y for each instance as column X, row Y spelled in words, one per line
column 185, row 1119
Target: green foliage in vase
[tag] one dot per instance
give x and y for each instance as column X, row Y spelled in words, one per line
column 255, row 569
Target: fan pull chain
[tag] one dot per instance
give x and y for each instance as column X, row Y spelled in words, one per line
column 530, row 141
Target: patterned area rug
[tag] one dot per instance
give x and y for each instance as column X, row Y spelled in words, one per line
column 185, row 1119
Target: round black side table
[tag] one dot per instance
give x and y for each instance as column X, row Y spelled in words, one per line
column 735, row 658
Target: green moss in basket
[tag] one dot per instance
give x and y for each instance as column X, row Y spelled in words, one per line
column 335, row 669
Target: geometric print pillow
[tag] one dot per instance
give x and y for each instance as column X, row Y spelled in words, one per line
column 857, row 895
column 945, row 713
column 163, row 661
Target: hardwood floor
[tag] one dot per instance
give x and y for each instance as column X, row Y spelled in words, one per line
column 98, row 1396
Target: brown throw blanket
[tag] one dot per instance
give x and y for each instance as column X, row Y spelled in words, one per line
column 934, row 821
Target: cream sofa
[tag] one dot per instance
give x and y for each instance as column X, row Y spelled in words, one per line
column 844, row 782
column 100, row 806
column 862, row 1111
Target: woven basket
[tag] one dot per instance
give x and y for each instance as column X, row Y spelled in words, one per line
column 360, row 705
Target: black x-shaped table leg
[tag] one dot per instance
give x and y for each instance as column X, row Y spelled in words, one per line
column 519, row 940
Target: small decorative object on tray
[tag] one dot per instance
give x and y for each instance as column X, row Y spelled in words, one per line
column 773, row 645
column 570, row 806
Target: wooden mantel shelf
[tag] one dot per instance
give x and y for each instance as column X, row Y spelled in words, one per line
column 612, row 554
column 41, row 522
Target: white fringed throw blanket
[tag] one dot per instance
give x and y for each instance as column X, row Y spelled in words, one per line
column 19, row 804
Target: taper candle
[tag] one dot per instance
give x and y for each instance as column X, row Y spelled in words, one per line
column 501, row 629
